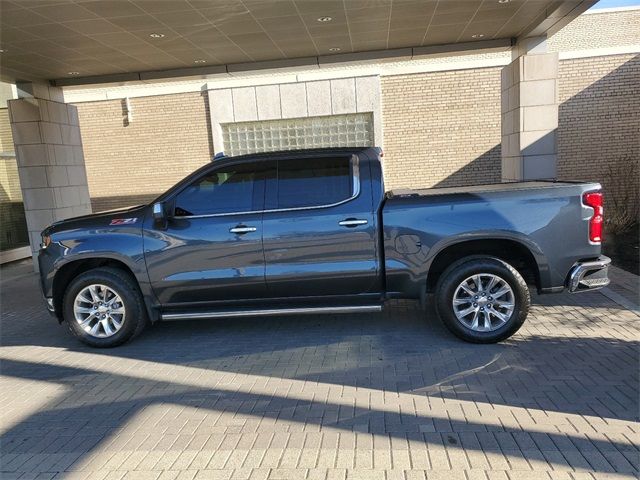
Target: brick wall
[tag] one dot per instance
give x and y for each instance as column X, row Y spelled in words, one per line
column 599, row 124
column 127, row 164
column 442, row 128
column 598, row 30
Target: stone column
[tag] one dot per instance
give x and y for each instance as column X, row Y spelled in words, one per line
column 530, row 112
column 50, row 159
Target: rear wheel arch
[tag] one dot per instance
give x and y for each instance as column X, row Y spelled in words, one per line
column 513, row 252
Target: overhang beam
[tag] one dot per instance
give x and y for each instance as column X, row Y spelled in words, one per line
column 466, row 48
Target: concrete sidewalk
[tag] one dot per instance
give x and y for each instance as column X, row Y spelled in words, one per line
column 385, row 396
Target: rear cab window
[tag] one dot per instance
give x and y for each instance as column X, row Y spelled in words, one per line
column 312, row 182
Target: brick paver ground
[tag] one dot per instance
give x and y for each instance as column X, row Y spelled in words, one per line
column 386, row 396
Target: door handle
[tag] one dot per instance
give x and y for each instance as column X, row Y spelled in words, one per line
column 241, row 229
column 352, row 222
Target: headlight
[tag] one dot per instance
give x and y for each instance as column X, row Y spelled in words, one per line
column 46, row 240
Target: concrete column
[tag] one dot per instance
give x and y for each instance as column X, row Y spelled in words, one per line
column 530, row 112
column 48, row 147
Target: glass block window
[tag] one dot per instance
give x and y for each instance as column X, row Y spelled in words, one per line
column 353, row 130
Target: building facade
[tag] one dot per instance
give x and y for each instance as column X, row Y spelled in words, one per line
column 437, row 119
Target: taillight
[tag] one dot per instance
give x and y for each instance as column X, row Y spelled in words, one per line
column 594, row 200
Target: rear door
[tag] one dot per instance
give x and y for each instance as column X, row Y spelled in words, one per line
column 211, row 246
column 319, row 231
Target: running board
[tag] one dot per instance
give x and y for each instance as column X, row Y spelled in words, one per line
column 270, row 312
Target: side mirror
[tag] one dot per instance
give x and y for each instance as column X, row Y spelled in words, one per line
column 158, row 212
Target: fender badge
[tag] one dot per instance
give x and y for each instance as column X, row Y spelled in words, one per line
column 123, row 221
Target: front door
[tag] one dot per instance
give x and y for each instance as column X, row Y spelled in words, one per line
column 210, row 248
column 319, row 231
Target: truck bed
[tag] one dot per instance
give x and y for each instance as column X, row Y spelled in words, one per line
column 531, row 215
column 486, row 188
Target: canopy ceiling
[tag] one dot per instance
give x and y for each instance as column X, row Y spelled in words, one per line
column 70, row 41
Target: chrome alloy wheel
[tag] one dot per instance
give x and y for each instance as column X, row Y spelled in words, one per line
column 99, row 310
column 483, row 302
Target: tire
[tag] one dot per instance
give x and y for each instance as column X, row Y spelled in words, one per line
column 459, row 283
column 117, row 328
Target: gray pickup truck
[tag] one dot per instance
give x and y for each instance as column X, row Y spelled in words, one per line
column 314, row 231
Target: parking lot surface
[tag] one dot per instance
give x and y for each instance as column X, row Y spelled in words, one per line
column 384, row 396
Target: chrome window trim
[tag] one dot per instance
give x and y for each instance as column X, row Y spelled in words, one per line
column 355, row 175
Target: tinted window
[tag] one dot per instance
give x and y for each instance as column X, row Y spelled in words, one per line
column 236, row 188
column 313, row 182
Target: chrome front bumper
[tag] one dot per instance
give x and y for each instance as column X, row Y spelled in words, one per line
column 589, row 275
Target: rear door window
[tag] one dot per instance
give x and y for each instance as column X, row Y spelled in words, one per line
column 313, row 182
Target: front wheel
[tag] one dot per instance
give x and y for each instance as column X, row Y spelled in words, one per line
column 104, row 307
column 482, row 300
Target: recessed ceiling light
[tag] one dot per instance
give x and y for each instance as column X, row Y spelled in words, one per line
column 334, row 49
column 325, row 19
column 73, row 73
column 504, row 1
column 199, row 61
column 2, row 50
column 157, row 35
column 477, row 35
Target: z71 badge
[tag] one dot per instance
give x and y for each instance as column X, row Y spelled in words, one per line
column 123, row 221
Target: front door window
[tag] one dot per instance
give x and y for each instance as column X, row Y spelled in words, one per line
column 230, row 189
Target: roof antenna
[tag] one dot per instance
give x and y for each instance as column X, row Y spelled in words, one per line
column 219, row 155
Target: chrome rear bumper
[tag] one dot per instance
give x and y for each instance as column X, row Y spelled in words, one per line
column 589, row 275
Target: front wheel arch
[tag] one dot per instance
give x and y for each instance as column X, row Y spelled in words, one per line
column 67, row 272
column 125, row 291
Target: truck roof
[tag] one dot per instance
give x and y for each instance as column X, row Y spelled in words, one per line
column 304, row 151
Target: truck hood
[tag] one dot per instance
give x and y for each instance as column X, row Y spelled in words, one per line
column 121, row 216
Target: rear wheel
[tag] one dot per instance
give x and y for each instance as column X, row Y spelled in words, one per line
column 104, row 307
column 482, row 300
